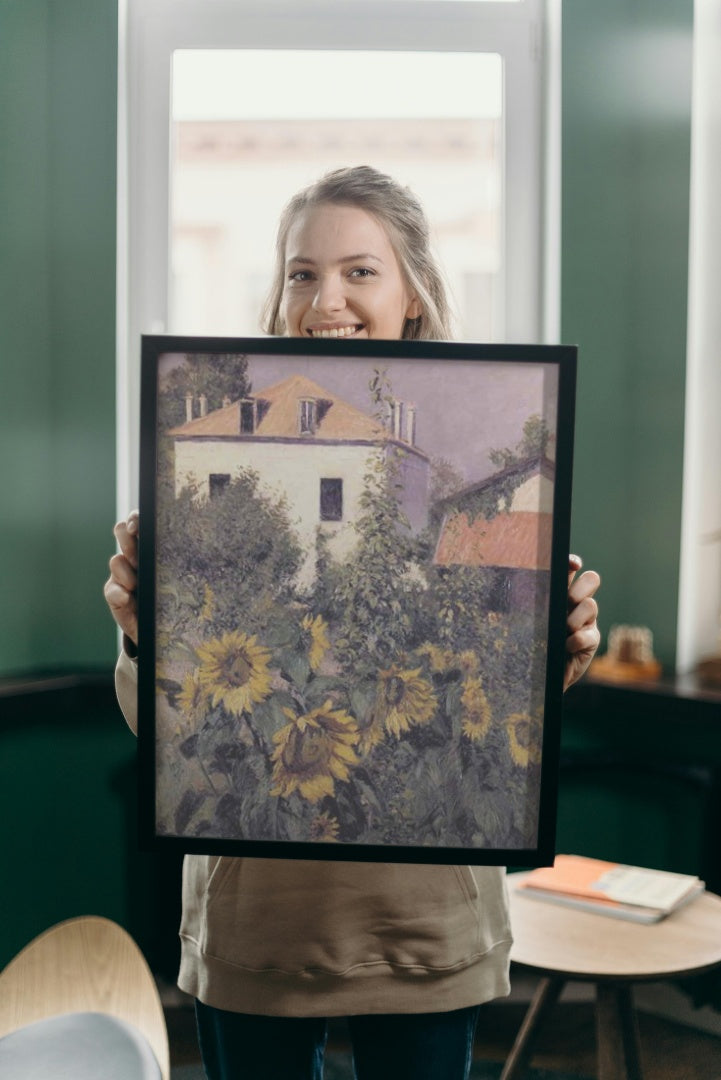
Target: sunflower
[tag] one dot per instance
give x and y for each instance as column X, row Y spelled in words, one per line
column 313, row 751
column 193, row 698
column 234, row 670
column 439, row 660
column 319, row 644
column 324, row 827
column 469, row 662
column 404, row 698
column 524, row 738
column 476, row 711
column 370, row 730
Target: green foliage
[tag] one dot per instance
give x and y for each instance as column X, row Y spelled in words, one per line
column 445, row 479
column 217, row 375
column 374, row 593
column 533, row 443
column 485, row 502
column 239, row 545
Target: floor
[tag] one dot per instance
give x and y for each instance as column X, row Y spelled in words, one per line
column 669, row 1051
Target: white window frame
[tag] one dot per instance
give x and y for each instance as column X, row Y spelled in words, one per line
column 699, row 597
column 525, row 34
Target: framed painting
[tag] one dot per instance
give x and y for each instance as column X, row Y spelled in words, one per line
column 352, row 597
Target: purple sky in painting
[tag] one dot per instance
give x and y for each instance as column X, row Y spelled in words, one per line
column 477, row 406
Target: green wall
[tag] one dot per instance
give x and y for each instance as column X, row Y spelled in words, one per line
column 69, row 775
column 625, row 200
column 58, row 72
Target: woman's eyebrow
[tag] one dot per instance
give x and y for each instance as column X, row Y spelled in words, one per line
column 361, row 257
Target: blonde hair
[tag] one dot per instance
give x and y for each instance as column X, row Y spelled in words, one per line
column 403, row 217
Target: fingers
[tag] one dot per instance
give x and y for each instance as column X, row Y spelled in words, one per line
column 586, row 641
column 575, row 562
column 126, row 534
column 584, row 586
column 580, row 614
column 582, row 634
column 123, row 608
column 121, row 587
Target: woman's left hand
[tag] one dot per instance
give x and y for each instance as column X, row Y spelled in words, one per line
column 582, row 633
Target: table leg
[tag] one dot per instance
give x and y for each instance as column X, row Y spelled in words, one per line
column 545, row 997
column 617, row 1033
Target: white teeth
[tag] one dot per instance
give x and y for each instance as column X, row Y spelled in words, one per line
column 335, row 332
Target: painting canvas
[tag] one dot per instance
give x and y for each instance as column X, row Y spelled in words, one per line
column 353, row 566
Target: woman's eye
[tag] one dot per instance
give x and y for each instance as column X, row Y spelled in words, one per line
column 300, row 276
column 362, row 272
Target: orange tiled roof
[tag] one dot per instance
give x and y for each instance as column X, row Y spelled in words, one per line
column 338, row 421
column 519, row 540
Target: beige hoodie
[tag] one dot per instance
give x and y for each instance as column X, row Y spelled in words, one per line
column 285, row 937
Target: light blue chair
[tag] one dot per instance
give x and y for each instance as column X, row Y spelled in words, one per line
column 80, row 1003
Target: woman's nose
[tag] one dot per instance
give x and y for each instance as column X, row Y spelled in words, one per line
column 329, row 296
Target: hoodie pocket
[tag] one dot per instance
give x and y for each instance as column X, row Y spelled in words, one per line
column 293, row 916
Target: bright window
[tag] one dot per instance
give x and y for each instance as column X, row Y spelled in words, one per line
column 227, row 107
column 236, row 158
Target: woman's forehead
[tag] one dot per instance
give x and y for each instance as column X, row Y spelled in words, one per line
column 327, row 229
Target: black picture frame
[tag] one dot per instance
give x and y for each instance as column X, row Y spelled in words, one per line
column 353, row 574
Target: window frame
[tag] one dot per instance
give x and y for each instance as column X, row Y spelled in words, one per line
column 217, row 484
column 330, row 494
column 525, row 34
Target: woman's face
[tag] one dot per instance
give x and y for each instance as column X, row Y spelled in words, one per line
column 342, row 277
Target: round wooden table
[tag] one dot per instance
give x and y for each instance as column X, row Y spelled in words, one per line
column 562, row 944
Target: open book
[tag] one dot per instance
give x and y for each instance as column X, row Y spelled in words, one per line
column 608, row 888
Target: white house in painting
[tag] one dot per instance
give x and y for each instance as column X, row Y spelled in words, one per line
column 308, row 445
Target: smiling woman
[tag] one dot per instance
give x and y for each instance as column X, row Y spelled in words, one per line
column 341, row 294
column 353, row 259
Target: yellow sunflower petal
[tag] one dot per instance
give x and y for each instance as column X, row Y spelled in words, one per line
column 404, row 699
column 234, row 670
column 313, row 751
column 475, row 710
column 524, row 738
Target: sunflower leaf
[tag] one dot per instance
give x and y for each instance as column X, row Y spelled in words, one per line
column 273, row 718
column 321, row 687
column 295, row 667
column 189, row 804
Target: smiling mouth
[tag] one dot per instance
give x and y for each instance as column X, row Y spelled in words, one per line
column 335, row 331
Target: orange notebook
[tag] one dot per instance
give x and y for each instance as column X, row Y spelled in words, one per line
column 631, row 892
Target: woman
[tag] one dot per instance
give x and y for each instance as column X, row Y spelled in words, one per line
column 271, row 948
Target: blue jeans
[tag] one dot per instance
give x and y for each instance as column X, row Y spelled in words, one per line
column 414, row 1046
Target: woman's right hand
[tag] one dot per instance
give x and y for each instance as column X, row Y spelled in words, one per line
column 121, row 587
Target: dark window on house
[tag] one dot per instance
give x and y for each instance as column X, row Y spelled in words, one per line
column 307, row 416
column 217, row 483
column 247, row 417
column 331, row 500
column 499, row 593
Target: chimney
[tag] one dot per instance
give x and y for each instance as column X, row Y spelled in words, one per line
column 226, row 401
column 188, row 407
column 203, row 405
column 411, row 424
column 397, row 418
